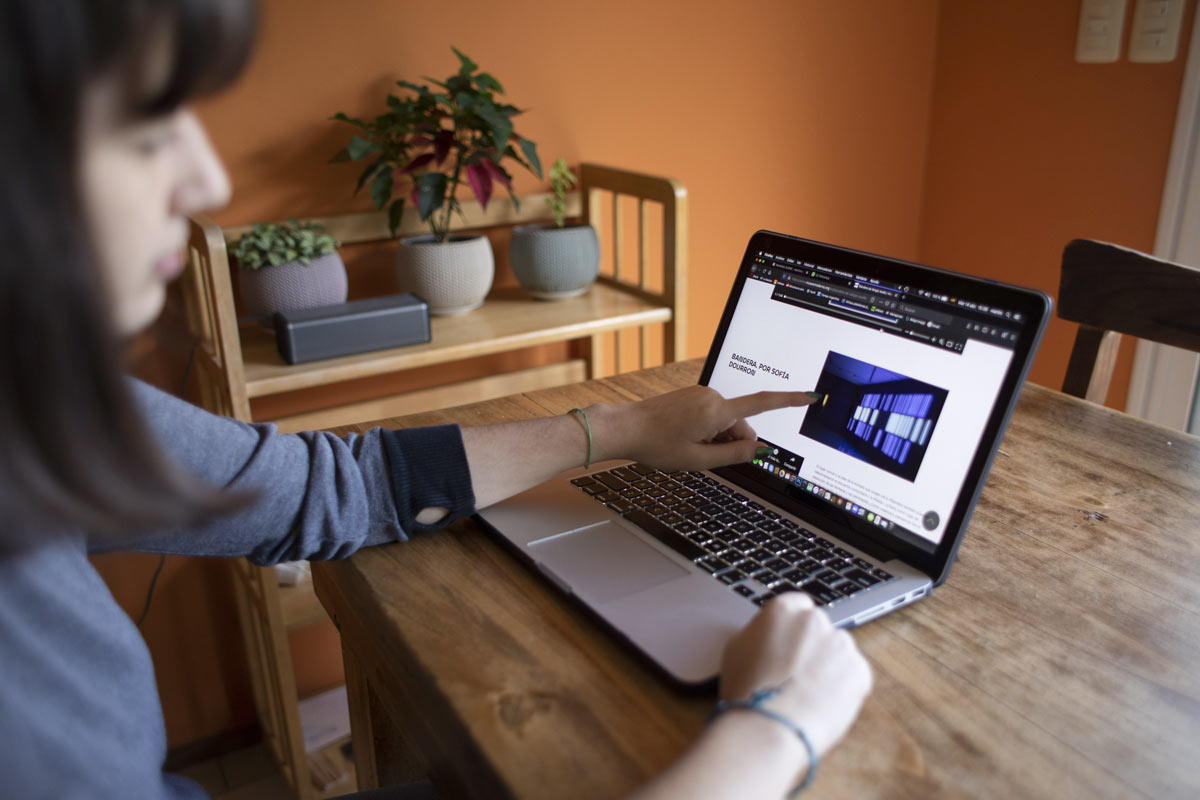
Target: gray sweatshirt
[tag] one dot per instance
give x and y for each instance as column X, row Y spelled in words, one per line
column 79, row 710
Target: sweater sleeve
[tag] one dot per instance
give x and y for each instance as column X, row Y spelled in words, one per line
column 318, row 496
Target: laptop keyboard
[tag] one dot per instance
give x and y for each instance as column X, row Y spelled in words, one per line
column 740, row 542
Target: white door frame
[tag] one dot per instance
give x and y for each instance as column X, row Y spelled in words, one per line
column 1163, row 384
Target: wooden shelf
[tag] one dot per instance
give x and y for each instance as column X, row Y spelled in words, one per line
column 508, row 320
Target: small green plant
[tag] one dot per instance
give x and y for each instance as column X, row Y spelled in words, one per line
column 273, row 243
column 454, row 132
column 561, row 181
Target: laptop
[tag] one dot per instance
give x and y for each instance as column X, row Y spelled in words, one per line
column 864, row 496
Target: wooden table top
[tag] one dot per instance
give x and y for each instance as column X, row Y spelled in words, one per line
column 1060, row 659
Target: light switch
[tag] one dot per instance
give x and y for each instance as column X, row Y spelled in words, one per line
column 1154, row 37
column 1100, row 26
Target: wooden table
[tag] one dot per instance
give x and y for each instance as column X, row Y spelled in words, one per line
column 1061, row 659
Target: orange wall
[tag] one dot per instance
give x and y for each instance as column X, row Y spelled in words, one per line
column 955, row 132
column 806, row 117
column 1029, row 150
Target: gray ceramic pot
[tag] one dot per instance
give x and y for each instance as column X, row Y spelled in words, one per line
column 293, row 286
column 453, row 277
column 552, row 263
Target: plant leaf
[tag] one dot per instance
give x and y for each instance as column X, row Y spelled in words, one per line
column 367, row 173
column 395, row 212
column 481, row 183
column 500, row 125
column 441, row 145
column 418, row 162
column 485, row 83
column 467, row 65
column 431, row 193
column 359, row 148
column 340, row 117
column 530, row 151
column 381, row 188
column 497, row 172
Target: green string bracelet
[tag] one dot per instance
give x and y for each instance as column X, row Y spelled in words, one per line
column 755, row 703
column 587, row 426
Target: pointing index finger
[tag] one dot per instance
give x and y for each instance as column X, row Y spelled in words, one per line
column 750, row 404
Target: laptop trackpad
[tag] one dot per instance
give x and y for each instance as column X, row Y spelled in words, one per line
column 604, row 562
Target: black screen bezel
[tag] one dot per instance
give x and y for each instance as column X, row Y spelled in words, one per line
column 1035, row 307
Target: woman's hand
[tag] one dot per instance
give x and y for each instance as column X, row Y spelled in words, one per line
column 791, row 644
column 691, row 428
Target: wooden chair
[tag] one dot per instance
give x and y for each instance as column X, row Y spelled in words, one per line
column 642, row 223
column 1111, row 290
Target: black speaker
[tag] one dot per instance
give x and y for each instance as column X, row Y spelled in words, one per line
column 375, row 323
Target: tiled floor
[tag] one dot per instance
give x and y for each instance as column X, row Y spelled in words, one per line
column 252, row 774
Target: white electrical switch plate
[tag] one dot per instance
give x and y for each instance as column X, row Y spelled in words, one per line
column 1154, row 36
column 1100, row 25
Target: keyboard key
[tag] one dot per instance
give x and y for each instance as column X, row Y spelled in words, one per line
column 760, row 555
column 842, row 552
column 787, row 523
column 861, row 576
column 770, row 527
column 684, row 527
column 642, row 484
column 862, row 563
column 670, row 501
column 595, row 488
column 826, row 575
column 658, row 477
column 585, row 480
column 792, row 556
column 809, row 564
column 712, row 564
column 642, row 501
column 731, row 576
column 611, row 481
column 788, row 535
column 712, row 526
column 629, row 492
column 672, row 519
column 823, row 542
column 839, row 565
column 821, row 593
column 671, row 486
column 677, row 542
column 882, row 575
column 769, row 514
column 728, row 535
column 626, row 474
column 699, row 537
column 758, row 537
column 795, row 576
column 656, row 493
column 777, row 564
column 658, row 510
column 741, row 526
column 642, row 469
column 820, row 554
column 846, row 587
column 743, row 590
column 620, row 506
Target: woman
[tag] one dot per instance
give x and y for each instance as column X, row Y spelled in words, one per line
column 103, row 162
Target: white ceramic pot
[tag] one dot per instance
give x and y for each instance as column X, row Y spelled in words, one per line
column 551, row 262
column 293, row 286
column 453, row 277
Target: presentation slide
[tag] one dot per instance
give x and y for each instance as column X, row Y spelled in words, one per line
column 900, row 420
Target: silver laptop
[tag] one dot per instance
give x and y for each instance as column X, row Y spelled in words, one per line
column 864, row 497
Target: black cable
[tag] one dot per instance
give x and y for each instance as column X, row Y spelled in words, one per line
column 162, row 559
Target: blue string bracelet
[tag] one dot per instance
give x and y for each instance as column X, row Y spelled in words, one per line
column 755, row 703
column 588, row 428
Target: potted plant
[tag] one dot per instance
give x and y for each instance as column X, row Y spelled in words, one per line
column 555, row 261
column 288, row 266
column 423, row 149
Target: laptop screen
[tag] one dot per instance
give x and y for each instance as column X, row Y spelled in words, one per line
column 918, row 369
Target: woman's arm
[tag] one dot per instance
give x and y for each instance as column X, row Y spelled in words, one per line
column 692, row 428
column 824, row 680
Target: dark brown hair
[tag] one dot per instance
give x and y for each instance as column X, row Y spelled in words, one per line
column 74, row 451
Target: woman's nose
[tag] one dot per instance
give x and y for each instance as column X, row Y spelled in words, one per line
column 204, row 184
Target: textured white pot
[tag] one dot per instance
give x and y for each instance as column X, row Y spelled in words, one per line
column 293, row 286
column 453, row 277
column 551, row 262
